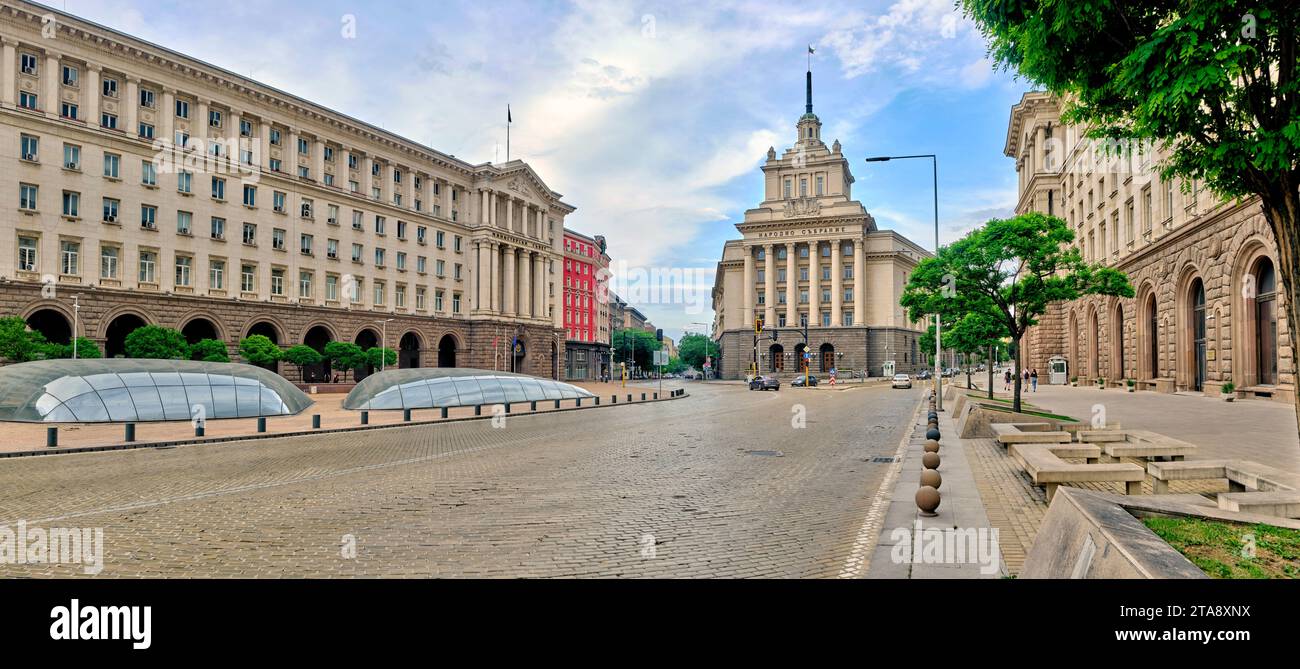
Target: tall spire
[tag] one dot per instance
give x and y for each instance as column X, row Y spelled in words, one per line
column 808, row 108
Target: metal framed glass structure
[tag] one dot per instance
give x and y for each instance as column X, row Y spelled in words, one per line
column 132, row 390
column 431, row 387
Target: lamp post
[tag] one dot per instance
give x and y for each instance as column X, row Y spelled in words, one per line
column 938, row 335
column 383, row 342
column 707, row 341
column 76, row 321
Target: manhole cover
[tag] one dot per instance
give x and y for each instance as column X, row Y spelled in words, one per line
column 882, row 459
column 771, row 454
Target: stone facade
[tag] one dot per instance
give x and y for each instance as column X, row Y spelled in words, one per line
column 1180, row 246
column 853, row 351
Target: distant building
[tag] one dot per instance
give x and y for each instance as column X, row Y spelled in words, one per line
column 586, row 309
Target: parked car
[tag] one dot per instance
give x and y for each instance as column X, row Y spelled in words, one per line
column 902, row 381
column 924, row 374
column 799, row 381
column 765, row 383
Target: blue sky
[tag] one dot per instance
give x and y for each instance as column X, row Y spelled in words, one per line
column 652, row 118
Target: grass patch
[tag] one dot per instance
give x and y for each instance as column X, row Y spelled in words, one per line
column 1041, row 414
column 1217, row 548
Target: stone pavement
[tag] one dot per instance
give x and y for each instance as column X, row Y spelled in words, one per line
column 961, row 508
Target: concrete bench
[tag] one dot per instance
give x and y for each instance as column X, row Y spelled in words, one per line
column 1028, row 433
column 1281, row 503
column 1047, row 469
column 1147, row 445
column 1242, row 475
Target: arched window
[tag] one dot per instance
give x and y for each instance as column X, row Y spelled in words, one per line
column 1265, row 312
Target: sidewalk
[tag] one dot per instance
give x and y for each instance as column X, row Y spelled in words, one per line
column 961, row 508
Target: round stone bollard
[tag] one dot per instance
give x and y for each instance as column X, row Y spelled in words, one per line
column 927, row 500
column 930, row 460
column 931, row 446
column 932, row 433
column 931, row 477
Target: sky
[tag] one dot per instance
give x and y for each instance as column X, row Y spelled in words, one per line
column 652, row 118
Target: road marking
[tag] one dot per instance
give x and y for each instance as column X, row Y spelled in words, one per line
column 859, row 560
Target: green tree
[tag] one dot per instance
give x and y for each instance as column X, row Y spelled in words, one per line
column 975, row 335
column 302, row 356
column 156, row 342
column 1009, row 270
column 675, row 366
column 626, row 340
column 376, row 355
column 695, row 348
column 345, row 355
column 1214, row 82
column 260, row 350
column 18, row 343
column 86, row 348
column 209, row 350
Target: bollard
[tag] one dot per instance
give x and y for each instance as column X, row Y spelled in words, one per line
column 406, row 415
column 52, row 437
column 629, row 397
column 532, row 406
column 507, row 405
column 478, row 409
column 656, row 396
column 613, row 399
column 129, row 428
column 932, row 433
column 444, row 412
column 315, row 421
column 642, row 397
column 927, row 500
column 198, row 430
column 597, row 401
column 579, row 402
column 557, row 404
column 261, row 424
column 931, row 477
column 365, row 417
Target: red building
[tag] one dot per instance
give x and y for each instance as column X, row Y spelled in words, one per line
column 586, row 310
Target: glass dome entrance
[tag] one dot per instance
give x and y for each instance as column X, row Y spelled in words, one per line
column 425, row 388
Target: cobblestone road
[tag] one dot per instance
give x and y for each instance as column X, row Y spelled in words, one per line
column 668, row 489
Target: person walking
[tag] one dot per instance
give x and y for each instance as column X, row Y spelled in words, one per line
column 1033, row 379
column 1006, row 381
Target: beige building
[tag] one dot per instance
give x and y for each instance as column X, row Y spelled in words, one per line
column 1208, row 307
column 160, row 189
column 811, row 253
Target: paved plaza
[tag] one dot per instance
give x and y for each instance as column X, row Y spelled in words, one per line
column 719, row 484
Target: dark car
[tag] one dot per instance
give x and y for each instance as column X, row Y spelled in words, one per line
column 924, row 374
column 765, row 383
column 798, row 381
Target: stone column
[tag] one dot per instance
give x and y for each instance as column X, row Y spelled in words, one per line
column 494, row 273
column 131, row 106
column 510, row 214
column 51, row 80
column 539, row 286
column 167, row 117
column 201, row 123
column 8, row 77
column 492, row 209
column 814, row 285
column 483, row 208
column 791, row 286
column 318, row 160
column 367, row 168
column 769, row 285
column 482, row 301
column 264, row 141
column 91, row 88
column 509, row 289
column 747, row 313
column 291, row 162
column 859, row 284
column 837, row 282
column 231, row 131
column 525, row 285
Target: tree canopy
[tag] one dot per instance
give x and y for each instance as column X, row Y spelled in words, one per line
column 156, row 342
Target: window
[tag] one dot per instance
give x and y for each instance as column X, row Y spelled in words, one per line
column 399, row 296
column 379, row 257
column 69, row 75
column 333, row 211
column 214, row 118
column 420, row 298
column 456, row 271
column 68, row 110
column 421, row 234
column 108, row 121
column 848, row 295
column 183, row 221
column 218, row 228
column 455, row 244
column 110, row 209
column 846, row 318
column 69, row 258
column 303, row 147
column 30, row 148
column 848, row 271
column 331, row 287
column 820, row 180
column 332, row 249
column 218, row 188
column 304, row 284
column 304, row 208
column 276, row 165
column 245, row 128
column 358, row 220
column 148, row 173
column 248, row 278
column 112, row 165
column 421, row 264
column 304, row 172
column 108, row 258
column 379, row 294
column 275, row 136
column 28, row 63
column 780, row 275
column 803, row 187
column 379, row 225
column 184, row 182
column 455, row 303
column 1148, row 214
column 71, row 204
column 250, row 234
column 352, row 161
column 357, row 251
column 182, row 109
column 250, row 196
column 401, row 229
column 277, row 239
column 788, row 186
column 439, row 268
column 277, row 281
column 278, row 201
column 305, row 244
column 148, row 216
column 437, row 300
column 148, row 263
column 183, row 270
column 71, row 157
column 27, row 254
column 27, row 100
column 440, row 239
column 217, row 275
column 329, row 154
column 146, row 98
column 401, row 260
column 146, row 131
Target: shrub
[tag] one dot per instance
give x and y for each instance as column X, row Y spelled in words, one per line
column 157, row 343
column 260, row 350
column 302, row 355
column 209, row 350
column 345, row 355
column 381, row 357
column 85, row 349
column 19, row 344
column 1228, row 387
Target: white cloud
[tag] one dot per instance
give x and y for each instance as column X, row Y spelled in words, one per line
column 916, row 37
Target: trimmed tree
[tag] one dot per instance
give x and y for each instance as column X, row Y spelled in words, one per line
column 86, row 348
column 381, row 357
column 260, row 350
column 345, row 355
column 302, row 355
column 157, row 343
column 1214, row 82
column 209, row 350
column 18, row 343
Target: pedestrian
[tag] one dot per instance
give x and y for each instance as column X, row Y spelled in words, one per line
column 1033, row 379
column 1006, row 381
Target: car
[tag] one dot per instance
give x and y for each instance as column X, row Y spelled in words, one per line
column 799, row 381
column 902, row 381
column 924, row 374
column 765, row 383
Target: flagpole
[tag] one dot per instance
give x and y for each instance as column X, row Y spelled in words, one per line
column 508, row 120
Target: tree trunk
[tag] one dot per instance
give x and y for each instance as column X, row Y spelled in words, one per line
column 1015, row 362
column 992, row 356
column 1282, row 211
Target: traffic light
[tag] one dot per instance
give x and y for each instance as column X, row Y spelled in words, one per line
column 659, row 334
column 758, row 325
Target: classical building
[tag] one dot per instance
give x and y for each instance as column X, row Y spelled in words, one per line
column 810, row 253
column 1208, row 307
column 586, row 307
column 155, row 188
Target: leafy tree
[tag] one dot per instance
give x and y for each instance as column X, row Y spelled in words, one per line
column 975, row 334
column 156, row 342
column 1214, row 82
column 675, row 366
column 19, row 344
column 260, row 350
column 209, row 350
column 376, row 355
column 345, row 355
column 86, row 348
column 695, row 348
column 302, row 355
column 629, row 340
column 1009, row 270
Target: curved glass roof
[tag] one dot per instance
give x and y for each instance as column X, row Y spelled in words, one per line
column 429, row 387
column 128, row 390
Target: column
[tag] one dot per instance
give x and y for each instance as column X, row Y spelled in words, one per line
column 51, row 80
column 510, row 214
column 837, row 282
column 167, row 117
column 131, row 106
column 509, row 288
column 814, row 285
column 367, row 169
column 494, row 274
column 539, row 286
column 769, row 285
column 859, row 284
column 264, row 142
column 91, row 89
column 492, row 208
column 291, row 152
column 318, row 160
column 791, row 286
column 201, row 123
column 525, row 286
column 8, row 78
column 747, row 311
column 235, row 140
column 482, row 301
column 482, row 210
column 1040, row 149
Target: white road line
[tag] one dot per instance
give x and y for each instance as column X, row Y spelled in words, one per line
column 859, row 560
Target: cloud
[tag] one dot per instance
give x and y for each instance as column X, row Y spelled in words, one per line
column 915, row 37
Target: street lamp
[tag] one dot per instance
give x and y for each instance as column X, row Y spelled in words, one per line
column 938, row 335
column 76, row 320
column 707, row 340
column 383, row 342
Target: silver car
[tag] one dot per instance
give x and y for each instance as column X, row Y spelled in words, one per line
column 902, row 381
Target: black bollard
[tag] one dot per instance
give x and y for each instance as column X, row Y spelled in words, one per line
column 365, row 417
column 444, row 412
column 198, row 430
column 532, row 406
column 129, row 429
column 261, row 424
column 478, row 409
column 315, row 421
column 406, row 415
column 557, row 404
column 52, row 437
